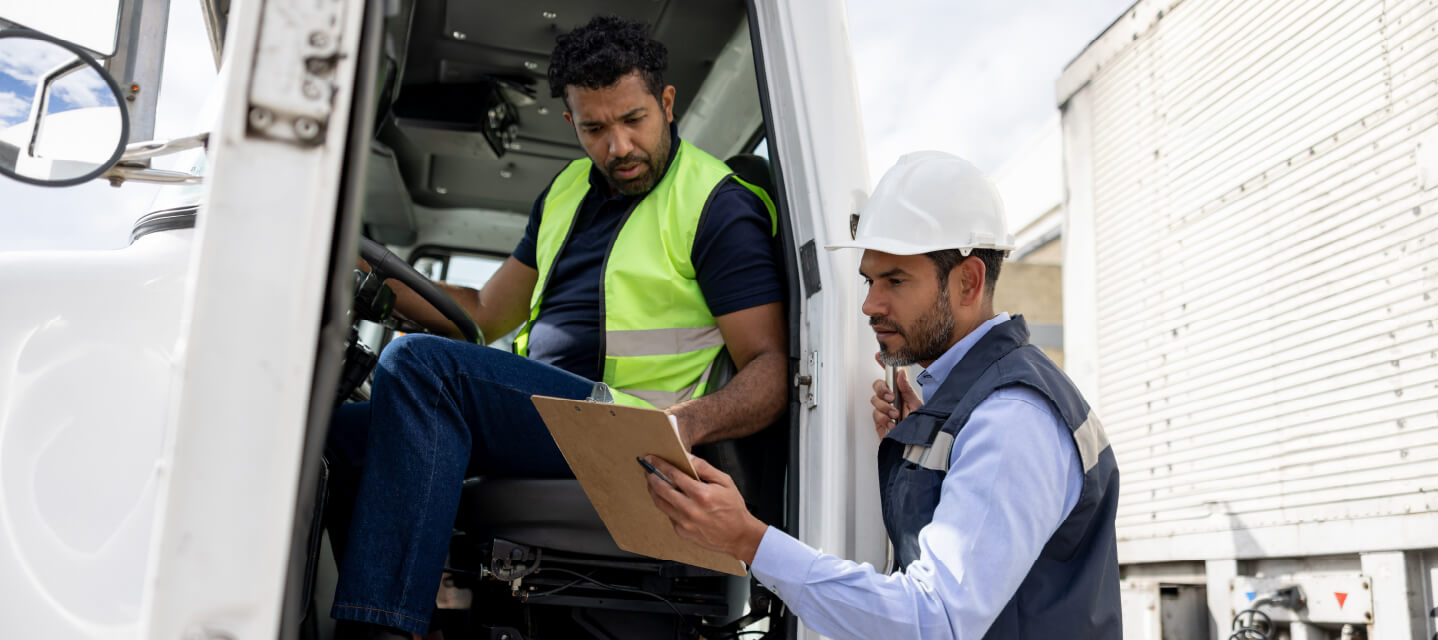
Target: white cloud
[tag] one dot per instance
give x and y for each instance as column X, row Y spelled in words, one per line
column 83, row 87
column 13, row 108
column 27, row 60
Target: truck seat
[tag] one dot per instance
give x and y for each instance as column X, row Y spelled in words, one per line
column 551, row 513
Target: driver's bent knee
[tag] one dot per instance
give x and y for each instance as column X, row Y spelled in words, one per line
column 418, row 354
column 415, row 351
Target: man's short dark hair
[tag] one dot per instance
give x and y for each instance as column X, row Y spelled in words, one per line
column 601, row 52
column 947, row 259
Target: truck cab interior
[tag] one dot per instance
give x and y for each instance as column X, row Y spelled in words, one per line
column 465, row 137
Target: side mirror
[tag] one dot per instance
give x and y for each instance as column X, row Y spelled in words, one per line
column 62, row 120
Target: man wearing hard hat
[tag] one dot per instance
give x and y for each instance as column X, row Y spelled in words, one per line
column 998, row 487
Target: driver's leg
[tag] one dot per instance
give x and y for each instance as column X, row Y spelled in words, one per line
column 435, row 402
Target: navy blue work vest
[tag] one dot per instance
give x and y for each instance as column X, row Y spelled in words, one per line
column 1072, row 589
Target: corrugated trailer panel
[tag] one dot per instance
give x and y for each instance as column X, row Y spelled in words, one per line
column 1266, row 269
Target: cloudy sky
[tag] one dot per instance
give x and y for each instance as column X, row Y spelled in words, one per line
column 972, row 78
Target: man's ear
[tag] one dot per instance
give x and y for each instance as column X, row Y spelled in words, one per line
column 568, row 118
column 666, row 100
column 969, row 276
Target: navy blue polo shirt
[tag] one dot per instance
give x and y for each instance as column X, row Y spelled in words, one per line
column 734, row 262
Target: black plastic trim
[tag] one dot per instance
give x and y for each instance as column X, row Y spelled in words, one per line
column 165, row 220
column 443, row 250
column 791, row 267
column 446, row 252
column 759, row 134
column 809, row 268
column 791, row 276
column 297, row 610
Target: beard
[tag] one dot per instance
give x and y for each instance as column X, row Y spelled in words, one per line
column 925, row 340
column 656, row 163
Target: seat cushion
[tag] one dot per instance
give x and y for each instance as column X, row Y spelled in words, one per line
column 552, row 513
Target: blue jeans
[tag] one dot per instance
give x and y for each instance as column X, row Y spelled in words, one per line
column 440, row 411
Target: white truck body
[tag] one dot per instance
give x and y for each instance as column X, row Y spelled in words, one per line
column 1251, row 291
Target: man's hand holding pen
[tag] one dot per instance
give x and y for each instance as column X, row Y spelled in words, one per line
column 709, row 511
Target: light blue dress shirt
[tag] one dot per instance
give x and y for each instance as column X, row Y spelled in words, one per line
column 1013, row 478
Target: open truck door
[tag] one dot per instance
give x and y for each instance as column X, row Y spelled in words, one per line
column 275, row 244
column 153, row 452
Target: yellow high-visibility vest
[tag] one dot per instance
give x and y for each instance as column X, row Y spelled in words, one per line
column 659, row 341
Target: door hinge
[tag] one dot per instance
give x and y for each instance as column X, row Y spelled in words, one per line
column 804, row 383
column 294, row 81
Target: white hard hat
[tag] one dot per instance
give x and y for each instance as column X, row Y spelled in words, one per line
column 931, row 201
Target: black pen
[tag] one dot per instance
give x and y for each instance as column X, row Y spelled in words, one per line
column 652, row 469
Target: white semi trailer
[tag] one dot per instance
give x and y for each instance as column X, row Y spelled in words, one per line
column 1251, row 292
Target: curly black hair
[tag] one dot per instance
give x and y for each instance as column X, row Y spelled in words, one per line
column 601, row 52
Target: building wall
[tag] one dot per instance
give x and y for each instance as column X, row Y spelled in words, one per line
column 1036, row 291
column 1051, row 253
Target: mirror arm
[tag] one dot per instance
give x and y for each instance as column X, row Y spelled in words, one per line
column 120, row 173
column 133, row 165
column 139, row 57
column 139, row 151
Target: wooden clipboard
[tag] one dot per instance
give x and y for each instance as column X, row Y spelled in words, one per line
column 600, row 442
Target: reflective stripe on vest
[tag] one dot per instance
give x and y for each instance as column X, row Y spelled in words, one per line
column 659, row 340
column 1089, row 437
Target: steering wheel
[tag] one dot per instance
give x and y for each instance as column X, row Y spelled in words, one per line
column 388, row 265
